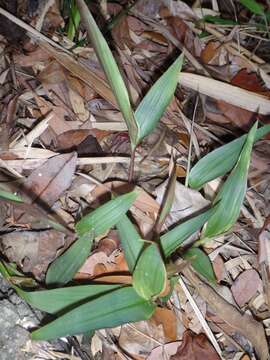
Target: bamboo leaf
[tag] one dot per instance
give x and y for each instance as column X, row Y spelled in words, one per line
column 174, row 238
column 253, row 6
column 201, row 263
column 149, row 277
column 155, row 102
column 130, row 241
column 110, row 68
column 221, row 160
column 63, row 269
column 56, row 300
column 232, row 193
column 107, row 215
column 109, row 310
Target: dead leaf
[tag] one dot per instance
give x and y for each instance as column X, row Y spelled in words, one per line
column 195, row 347
column 32, row 250
column 160, row 352
column 186, row 202
column 167, row 319
column 48, row 182
column 245, row 286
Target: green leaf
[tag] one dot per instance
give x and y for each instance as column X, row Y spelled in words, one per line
column 130, row 241
column 10, row 196
column 174, row 238
column 107, row 215
column 109, row 310
column 253, row 6
column 56, row 300
column 149, row 277
column 219, row 20
column 74, row 20
column 110, row 68
column 221, row 160
column 155, row 102
column 232, row 193
column 63, row 269
column 200, row 262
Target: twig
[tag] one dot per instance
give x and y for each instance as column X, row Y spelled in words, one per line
column 191, row 141
column 131, row 166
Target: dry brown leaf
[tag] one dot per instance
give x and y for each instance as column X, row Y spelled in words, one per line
column 167, row 319
column 32, row 250
column 195, row 347
column 47, row 183
column 160, row 352
column 245, row 286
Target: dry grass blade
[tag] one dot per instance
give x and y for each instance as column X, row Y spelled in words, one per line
column 222, row 91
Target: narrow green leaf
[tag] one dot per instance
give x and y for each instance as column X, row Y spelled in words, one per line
column 107, row 215
column 63, row 269
column 74, row 20
column 221, row 160
column 155, row 102
column 232, row 193
column 109, row 310
column 110, row 68
column 174, row 238
column 130, row 241
column 56, row 300
column 10, row 196
column 201, row 263
column 149, row 277
column 253, row 6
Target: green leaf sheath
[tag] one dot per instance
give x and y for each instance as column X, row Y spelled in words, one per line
column 149, row 277
column 175, row 237
column 221, row 160
column 110, row 68
column 113, row 309
column 232, row 193
column 201, row 263
column 155, row 102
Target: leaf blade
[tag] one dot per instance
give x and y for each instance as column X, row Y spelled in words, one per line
column 200, row 262
column 106, row 215
column 220, row 161
column 110, row 310
column 56, row 300
column 63, row 269
column 110, row 68
column 174, row 238
column 232, row 193
column 130, row 241
column 149, row 277
column 153, row 105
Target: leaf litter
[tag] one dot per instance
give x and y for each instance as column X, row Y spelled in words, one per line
column 72, row 161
